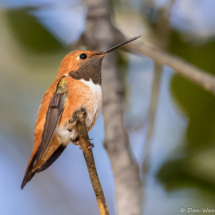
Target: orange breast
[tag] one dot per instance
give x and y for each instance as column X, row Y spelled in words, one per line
column 79, row 96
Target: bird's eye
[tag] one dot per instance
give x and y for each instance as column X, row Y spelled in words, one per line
column 83, row 56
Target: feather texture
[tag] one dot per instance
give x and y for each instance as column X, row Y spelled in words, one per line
column 53, row 115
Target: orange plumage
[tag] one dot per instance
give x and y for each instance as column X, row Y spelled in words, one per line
column 77, row 86
column 79, row 95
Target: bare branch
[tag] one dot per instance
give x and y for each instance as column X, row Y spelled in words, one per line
column 155, row 89
column 192, row 73
column 88, row 155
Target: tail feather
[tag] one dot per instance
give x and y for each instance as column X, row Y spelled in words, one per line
column 29, row 174
column 26, row 179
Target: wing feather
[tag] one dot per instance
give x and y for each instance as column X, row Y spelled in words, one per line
column 53, row 116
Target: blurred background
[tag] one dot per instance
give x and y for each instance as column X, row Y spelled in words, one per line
column 35, row 35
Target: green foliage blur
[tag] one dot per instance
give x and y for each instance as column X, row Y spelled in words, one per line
column 198, row 105
column 30, row 33
column 192, row 164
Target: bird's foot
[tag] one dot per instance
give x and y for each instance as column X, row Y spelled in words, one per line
column 91, row 146
column 71, row 123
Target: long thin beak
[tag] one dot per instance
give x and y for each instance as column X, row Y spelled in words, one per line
column 115, row 47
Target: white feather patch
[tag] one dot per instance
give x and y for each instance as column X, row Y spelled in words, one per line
column 96, row 101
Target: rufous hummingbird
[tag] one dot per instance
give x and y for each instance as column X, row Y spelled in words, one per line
column 77, row 86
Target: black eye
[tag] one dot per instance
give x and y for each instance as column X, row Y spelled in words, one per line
column 83, row 56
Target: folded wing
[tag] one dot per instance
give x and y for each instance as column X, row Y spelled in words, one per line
column 53, row 116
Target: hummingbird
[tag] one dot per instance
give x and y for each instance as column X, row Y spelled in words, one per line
column 76, row 87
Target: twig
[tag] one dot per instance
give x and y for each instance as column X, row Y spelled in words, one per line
column 155, row 89
column 88, row 155
column 192, row 73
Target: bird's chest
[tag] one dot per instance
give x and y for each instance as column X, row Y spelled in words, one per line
column 81, row 94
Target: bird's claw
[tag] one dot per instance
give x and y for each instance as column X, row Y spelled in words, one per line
column 71, row 120
column 89, row 147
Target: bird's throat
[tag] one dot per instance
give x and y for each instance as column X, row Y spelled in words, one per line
column 89, row 70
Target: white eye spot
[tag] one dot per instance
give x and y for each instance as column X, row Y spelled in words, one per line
column 78, row 58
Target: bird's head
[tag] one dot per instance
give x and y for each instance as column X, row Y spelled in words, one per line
column 83, row 64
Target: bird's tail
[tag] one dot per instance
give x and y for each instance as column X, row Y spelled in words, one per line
column 26, row 179
column 29, row 174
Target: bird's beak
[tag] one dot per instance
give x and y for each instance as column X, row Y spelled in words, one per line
column 115, row 47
